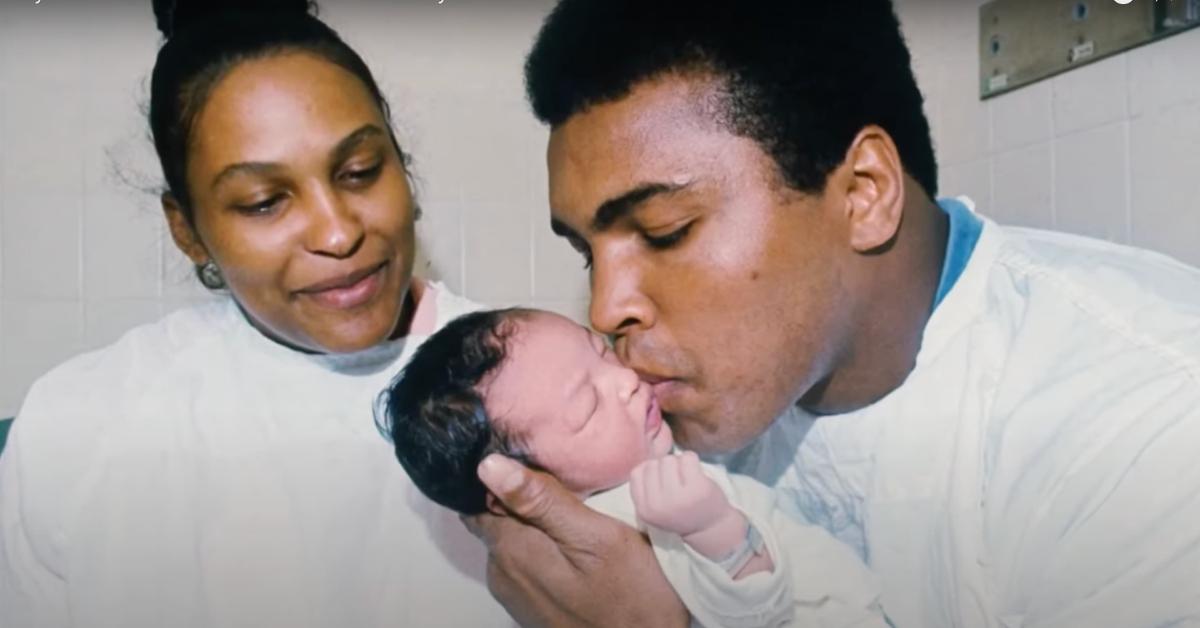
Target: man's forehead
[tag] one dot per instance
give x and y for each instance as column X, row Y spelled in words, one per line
column 593, row 201
column 650, row 136
column 587, row 165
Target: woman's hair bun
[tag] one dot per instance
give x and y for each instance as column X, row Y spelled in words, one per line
column 174, row 16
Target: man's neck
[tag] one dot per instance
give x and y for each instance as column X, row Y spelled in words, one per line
column 889, row 322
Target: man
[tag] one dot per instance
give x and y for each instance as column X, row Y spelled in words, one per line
column 1006, row 417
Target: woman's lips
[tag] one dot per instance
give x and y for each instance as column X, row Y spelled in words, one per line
column 348, row 292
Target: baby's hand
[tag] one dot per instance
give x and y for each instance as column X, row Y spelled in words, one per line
column 674, row 494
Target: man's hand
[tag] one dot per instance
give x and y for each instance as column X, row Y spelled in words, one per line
column 552, row 561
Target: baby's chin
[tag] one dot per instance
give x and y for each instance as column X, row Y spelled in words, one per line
column 663, row 442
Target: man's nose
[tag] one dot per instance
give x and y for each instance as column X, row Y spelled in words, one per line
column 619, row 305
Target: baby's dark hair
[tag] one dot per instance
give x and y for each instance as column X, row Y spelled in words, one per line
column 434, row 413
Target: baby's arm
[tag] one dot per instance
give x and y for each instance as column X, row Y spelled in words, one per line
column 674, row 494
column 805, row 577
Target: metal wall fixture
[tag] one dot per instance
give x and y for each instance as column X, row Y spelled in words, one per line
column 1024, row 41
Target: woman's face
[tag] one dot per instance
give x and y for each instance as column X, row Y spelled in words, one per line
column 301, row 199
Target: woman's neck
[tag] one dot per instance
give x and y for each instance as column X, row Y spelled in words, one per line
column 418, row 315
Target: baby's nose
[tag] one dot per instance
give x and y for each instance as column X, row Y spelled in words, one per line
column 629, row 384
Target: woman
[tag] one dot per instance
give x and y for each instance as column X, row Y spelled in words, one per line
column 221, row 467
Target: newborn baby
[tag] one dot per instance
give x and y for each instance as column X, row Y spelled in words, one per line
column 538, row 388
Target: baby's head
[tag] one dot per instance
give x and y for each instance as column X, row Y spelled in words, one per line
column 525, row 383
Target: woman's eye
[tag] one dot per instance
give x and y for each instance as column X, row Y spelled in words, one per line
column 668, row 240
column 264, row 206
column 362, row 175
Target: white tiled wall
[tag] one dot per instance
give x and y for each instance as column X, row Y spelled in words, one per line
column 1108, row 150
column 84, row 254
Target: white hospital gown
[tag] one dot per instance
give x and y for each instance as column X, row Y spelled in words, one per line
column 816, row 581
column 1038, row 467
column 197, row 475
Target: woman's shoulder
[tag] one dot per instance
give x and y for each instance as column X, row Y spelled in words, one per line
column 68, row 413
column 101, row 375
column 450, row 305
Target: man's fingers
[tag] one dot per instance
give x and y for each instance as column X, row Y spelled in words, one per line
column 537, row 499
column 502, row 475
column 488, row 527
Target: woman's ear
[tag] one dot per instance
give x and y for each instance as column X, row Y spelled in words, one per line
column 182, row 231
column 874, row 189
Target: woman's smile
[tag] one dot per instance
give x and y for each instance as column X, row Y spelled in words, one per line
column 349, row 290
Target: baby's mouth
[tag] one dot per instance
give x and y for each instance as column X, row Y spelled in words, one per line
column 654, row 419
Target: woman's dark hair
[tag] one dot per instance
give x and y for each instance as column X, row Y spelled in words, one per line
column 434, row 413
column 205, row 39
column 800, row 77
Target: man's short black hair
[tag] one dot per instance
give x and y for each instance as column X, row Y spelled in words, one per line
column 800, row 77
column 434, row 412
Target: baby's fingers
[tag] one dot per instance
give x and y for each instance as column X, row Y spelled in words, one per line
column 690, row 471
column 637, row 487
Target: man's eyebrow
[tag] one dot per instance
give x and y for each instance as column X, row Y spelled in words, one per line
column 561, row 229
column 339, row 152
column 614, row 209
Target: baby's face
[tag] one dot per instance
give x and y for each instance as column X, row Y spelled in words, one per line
column 582, row 415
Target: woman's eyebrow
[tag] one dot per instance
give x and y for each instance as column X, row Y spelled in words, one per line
column 264, row 168
column 352, row 141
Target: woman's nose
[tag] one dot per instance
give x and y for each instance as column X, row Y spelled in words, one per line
column 334, row 229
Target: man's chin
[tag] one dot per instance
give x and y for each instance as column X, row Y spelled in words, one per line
column 712, row 437
column 704, row 442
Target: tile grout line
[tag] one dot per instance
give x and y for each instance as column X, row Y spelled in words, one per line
column 1053, row 154
column 1127, row 127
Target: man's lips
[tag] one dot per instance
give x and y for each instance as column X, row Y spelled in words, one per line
column 662, row 388
column 650, row 377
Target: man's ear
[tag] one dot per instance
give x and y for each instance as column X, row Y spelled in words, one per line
column 873, row 180
column 182, row 231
